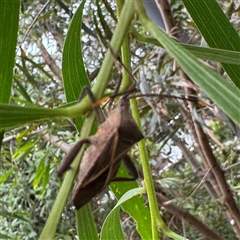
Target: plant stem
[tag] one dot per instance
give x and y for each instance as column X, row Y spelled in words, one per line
column 106, row 68
column 50, row 227
column 157, row 223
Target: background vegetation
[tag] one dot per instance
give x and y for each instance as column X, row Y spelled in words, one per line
column 189, row 161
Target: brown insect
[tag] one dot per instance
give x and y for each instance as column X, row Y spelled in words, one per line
column 114, row 138
column 101, row 161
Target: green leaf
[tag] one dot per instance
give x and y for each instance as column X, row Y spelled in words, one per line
column 111, row 228
column 214, row 54
column 4, row 177
column 221, row 92
column 23, row 91
column 216, row 29
column 105, row 25
column 206, row 53
column 13, row 116
column 9, row 14
column 85, row 224
column 41, row 169
column 73, row 70
column 23, row 149
column 8, row 27
column 135, row 207
column 45, row 179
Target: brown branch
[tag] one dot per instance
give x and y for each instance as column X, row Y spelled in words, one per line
column 211, row 185
column 166, row 13
column 49, row 61
column 198, row 170
column 219, row 175
column 57, row 142
column 190, row 219
column 206, row 166
column 34, row 21
column 210, row 161
column 65, row 147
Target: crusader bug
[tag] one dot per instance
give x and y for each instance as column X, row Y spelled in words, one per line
column 101, row 161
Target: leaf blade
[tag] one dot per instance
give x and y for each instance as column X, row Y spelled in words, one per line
column 111, row 228
column 219, row 34
column 135, row 206
column 73, row 70
column 9, row 15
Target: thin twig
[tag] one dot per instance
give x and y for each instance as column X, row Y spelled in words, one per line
column 198, row 186
column 34, row 21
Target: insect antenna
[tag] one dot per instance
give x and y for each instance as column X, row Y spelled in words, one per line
column 132, row 88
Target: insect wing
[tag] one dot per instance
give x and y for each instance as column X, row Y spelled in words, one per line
column 95, row 175
column 85, row 193
column 70, row 156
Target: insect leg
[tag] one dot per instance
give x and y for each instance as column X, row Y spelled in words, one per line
column 71, row 155
column 130, row 167
column 131, row 170
column 132, row 88
column 98, row 113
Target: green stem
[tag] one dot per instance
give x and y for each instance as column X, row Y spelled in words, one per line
column 126, row 82
column 126, row 56
column 106, row 68
column 148, row 181
column 50, row 227
column 157, row 223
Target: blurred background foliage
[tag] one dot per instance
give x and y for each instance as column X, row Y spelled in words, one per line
column 30, row 156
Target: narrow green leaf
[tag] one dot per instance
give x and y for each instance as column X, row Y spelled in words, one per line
column 214, row 54
column 4, row 177
column 105, row 25
column 13, row 116
column 216, row 29
column 23, row 91
column 135, row 207
column 84, row 216
column 9, row 14
column 9, row 11
column 73, row 70
column 45, row 179
column 98, row 31
column 23, row 149
column 206, row 53
column 40, row 171
column 111, row 228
